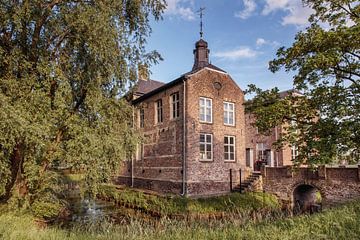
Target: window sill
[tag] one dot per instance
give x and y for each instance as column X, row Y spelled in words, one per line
column 229, row 161
column 204, row 160
column 229, row 125
column 202, row 122
column 174, row 119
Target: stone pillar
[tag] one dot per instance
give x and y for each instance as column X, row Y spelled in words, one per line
column 322, row 172
column 289, row 172
column 271, row 158
column 251, row 158
column 263, row 171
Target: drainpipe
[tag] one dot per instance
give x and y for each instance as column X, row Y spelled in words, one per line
column 277, row 153
column 184, row 190
column 132, row 156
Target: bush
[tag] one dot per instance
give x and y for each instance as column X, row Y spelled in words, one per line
column 47, row 209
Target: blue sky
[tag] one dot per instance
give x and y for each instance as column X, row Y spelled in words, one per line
column 243, row 36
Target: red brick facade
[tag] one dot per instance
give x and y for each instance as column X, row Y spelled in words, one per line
column 212, row 177
column 160, row 164
column 255, row 142
column 169, row 160
column 260, row 147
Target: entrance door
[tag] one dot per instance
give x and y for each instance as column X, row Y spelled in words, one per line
column 250, row 158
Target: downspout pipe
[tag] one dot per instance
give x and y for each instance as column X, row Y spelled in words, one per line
column 132, row 155
column 276, row 152
column 184, row 189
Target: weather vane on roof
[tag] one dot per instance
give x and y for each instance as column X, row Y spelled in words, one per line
column 201, row 13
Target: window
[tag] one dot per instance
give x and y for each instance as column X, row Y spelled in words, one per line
column 141, row 118
column 206, row 147
column 174, row 105
column 294, row 152
column 260, row 148
column 229, row 113
column 229, row 148
column 159, row 111
column 139, row 151
column 205, row 110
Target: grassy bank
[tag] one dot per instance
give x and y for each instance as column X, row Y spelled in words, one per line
column 338, row 223
column 233, row 203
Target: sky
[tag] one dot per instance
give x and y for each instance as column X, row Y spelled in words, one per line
column 243, row 36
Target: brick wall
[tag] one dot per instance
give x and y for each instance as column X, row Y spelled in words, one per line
column 213, row 177
column 335, row 185
column 281, row 157
column 159, row 166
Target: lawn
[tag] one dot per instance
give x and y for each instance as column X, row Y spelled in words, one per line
column 338, row 223
column 234, row 203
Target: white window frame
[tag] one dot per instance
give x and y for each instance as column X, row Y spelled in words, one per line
column 205, row 107
column 140, row 151
column 157, row 109
column 141, row 118
column 175, row 105
column 206, row 143
column 227, row 112
column 229, row 145
column 258, row 149
column 294, row 152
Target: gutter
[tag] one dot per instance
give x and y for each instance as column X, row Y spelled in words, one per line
column 184, row 189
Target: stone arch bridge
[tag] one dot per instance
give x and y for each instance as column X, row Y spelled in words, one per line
column 335, row 184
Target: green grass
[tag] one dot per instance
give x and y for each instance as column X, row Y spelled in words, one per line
column 72, row 177
column 232, row 203
column 339, row 223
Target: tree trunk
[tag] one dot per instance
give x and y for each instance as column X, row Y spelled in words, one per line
column 16, row 174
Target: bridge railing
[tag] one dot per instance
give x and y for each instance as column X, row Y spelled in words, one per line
column 333, row 173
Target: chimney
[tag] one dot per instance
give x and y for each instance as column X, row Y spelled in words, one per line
column 143, row 72
column 201, row 55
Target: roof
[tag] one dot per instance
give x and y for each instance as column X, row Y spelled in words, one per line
column 286, row 93
column 207, row 66
column 145, row 86
column 159, row 89
column 172, row 83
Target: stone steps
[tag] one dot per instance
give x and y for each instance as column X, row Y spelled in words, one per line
column 247, row 182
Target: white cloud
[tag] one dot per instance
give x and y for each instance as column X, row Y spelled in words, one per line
column 250, row 7
column 260, row 42
column 297, row 13
column 241, row 52
column 273, row 5
column 181, row 8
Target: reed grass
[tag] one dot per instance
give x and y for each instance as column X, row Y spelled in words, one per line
column 342, row 222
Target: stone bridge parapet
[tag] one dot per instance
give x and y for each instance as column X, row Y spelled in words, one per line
column 336, row 184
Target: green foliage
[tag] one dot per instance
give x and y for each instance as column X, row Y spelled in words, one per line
column 326, row 60
column 64, row 68
column 333, row 224
column 46, row 209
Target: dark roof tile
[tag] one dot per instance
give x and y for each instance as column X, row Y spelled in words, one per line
column 146, row 86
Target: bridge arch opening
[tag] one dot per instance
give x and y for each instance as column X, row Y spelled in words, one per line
column 307, row 199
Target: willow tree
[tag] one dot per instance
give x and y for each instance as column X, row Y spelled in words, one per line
column 325, row 123
column 64, row 67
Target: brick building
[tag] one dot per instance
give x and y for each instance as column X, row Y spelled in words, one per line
column 193, row 129
column 260, row 149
